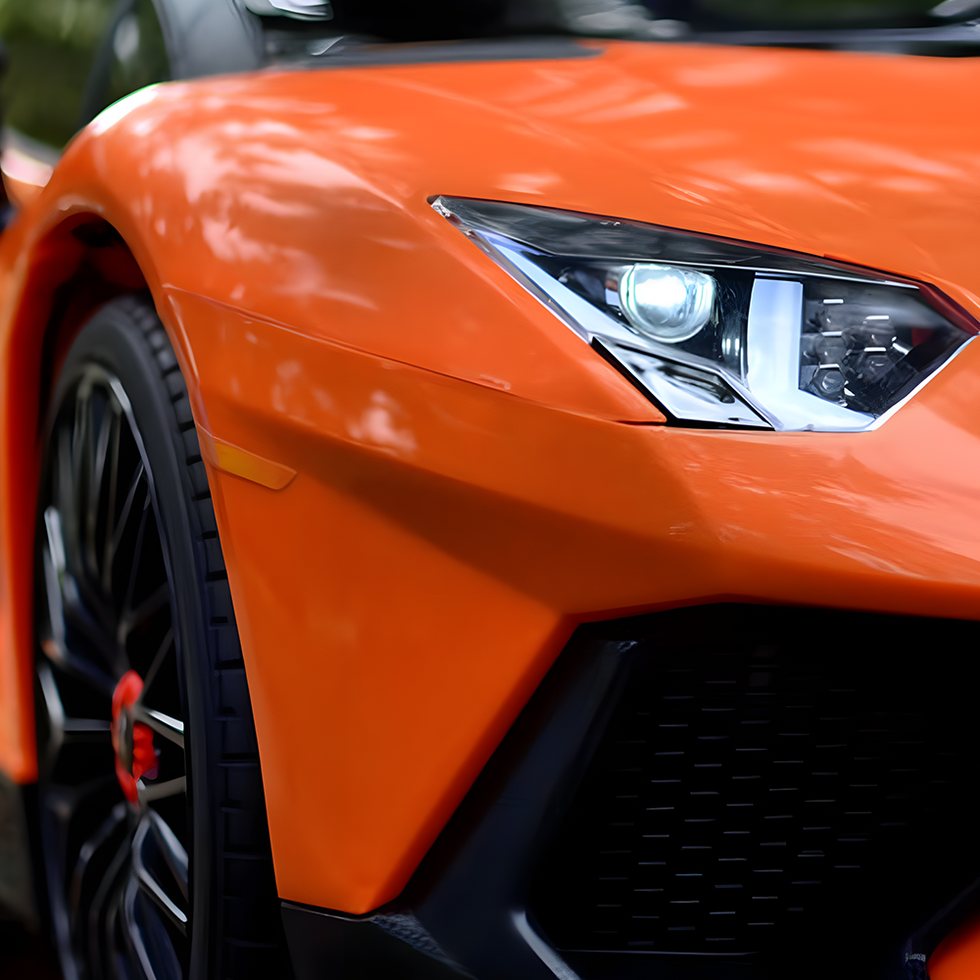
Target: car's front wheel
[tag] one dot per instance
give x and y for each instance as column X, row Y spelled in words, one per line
column 151, row 816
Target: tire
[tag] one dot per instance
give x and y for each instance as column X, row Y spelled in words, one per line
column 151, row 813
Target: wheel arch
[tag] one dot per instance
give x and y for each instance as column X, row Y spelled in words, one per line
column 73, row 267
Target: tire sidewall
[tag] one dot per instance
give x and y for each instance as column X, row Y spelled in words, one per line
column 114, row 340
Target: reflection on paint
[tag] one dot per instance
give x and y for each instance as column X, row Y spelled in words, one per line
column 378, row 427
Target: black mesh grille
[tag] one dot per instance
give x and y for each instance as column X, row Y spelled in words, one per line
column 775, row 781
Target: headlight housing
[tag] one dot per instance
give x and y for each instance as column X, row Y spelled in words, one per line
column 722, row 333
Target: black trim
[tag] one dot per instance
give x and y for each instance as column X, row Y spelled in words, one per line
column 468, row 887
column 291, row 48
column 327, row 945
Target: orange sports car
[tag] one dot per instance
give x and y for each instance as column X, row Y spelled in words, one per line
column 491, row 489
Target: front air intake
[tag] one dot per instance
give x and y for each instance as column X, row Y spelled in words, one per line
column 776, row 790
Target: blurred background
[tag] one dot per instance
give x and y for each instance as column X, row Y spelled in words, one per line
column 48, row 89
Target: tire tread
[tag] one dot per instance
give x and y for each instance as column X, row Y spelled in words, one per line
column 240, row 796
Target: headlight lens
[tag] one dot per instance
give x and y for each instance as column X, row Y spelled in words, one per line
column 723, row 333
column 666, row 303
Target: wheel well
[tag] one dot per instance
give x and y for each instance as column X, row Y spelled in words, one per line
column 81, row 265
column 72, row 270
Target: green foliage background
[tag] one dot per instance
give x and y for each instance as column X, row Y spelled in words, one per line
column 50, row 47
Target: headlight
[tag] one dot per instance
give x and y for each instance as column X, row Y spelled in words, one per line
column 723, row 333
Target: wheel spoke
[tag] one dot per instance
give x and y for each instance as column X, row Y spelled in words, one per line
column 148, row 936
column 148, row 792
column 87, row 498
column 64, row 492
column 112, row 491
column 96, row 476
column 173, row 852
column 114, row 533
column 117, row 870
column 55, row 539
column 157, row 663
column 127, row 604
column 53, row 568
column 174, row 913
column 64, row 730
column 55, row 712
column 81, row 668
column 76, row 503
column 117, row 816
column 153, row 603
column 71, row 505
column 86, row 730
column 170, row 728
column 156, row 849
column 65, row 606
column 100, row 919
column 79, row 619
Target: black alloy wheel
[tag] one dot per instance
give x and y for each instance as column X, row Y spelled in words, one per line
column 152, row 819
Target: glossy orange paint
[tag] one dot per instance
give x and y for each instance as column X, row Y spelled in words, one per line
column 471, row 480
column 957, row 957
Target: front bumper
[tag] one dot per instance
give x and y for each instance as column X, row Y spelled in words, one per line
column 725, row 791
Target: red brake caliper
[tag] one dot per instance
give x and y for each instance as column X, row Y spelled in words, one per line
column 132, row 741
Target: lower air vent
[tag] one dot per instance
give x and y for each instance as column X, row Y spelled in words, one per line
column 777, row 787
